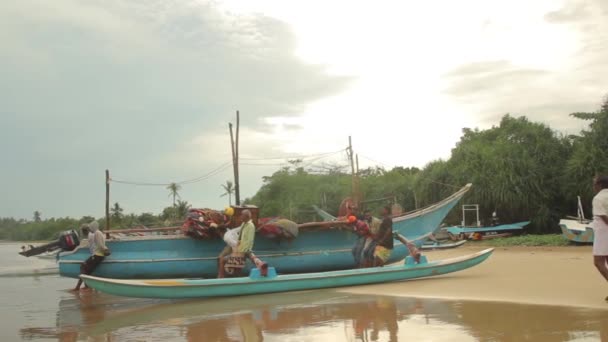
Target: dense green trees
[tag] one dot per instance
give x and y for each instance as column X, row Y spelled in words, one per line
column 589, row 153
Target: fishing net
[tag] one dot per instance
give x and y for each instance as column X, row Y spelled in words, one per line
column 277, row 228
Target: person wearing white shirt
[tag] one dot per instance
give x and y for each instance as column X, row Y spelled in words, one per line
column 600, row 225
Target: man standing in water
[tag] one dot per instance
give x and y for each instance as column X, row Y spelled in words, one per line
column 98, row 249
column 600, row 225
column 245, row 241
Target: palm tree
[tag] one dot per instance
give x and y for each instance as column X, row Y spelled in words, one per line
column 229, row 188
column 37, row 216
column 174, row 188
column 117, row 214
column 181, row 210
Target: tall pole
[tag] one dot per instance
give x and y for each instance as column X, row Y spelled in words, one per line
column 233, row 155
column 234, row 143
column 350, row 154
column 237, row 187
column 107, row 200
column 355, row 195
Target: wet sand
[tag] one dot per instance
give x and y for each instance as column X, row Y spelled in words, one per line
column 563, row 276
column 38, row 307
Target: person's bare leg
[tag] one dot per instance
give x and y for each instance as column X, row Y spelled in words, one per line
column 220, row 270
column 78, row 285
column 600, row 263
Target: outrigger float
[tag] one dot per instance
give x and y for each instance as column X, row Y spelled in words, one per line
column 255, row 283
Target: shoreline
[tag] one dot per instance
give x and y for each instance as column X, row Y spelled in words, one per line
column 554, row 276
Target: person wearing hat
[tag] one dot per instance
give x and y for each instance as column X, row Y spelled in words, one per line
column 97, row 248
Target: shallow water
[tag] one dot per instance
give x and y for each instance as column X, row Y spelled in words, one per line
column 38, row 307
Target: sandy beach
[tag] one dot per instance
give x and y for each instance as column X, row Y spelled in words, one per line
column 562, row 276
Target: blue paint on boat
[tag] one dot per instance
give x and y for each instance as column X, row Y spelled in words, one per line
column 152, row 257
column 202, row 288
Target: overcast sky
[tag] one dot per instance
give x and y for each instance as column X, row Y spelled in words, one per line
column 147, row 88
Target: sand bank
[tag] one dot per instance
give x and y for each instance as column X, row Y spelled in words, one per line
column 562, row 276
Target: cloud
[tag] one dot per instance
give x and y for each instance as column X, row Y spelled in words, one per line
column 122, row 85
column 548, row 91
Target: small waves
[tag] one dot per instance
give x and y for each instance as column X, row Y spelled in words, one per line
column 28, row 272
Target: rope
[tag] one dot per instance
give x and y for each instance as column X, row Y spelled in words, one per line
column 188, row 181
column 294, row 157
column 450, row 185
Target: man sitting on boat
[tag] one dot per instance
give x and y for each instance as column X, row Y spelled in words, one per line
column 384, row 238
column 238, row 248
column 98, row 249
column 363, row 250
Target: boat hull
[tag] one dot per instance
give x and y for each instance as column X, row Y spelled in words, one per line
column 576, row 232
column 204, row 263
column 151, row 257
column 204, row 288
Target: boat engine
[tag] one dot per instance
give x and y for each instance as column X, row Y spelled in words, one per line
column 67, row 241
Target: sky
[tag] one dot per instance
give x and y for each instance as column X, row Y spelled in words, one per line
column 146, row 89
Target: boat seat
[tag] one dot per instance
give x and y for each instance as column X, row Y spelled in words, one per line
column 409, row 260
column 255, row 273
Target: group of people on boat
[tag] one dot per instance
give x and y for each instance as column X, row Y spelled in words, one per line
column 373, row 247
column 375, row 243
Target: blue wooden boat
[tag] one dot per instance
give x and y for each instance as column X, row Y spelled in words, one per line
column 255, row 284
column 485, row 231
column 577, row 231
column 500, row 228
column 442, row 245
column 153, row 257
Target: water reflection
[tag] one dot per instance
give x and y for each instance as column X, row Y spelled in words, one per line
column 313, row 316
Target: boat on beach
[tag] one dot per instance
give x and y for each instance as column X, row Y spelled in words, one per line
column 577, row 229
column 314, row 250
column 480, row 232
column 430, row 245
column 500, row 229
column 256, row 284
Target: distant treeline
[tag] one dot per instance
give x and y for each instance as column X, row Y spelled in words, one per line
column 46, row 229
column 522, row 170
